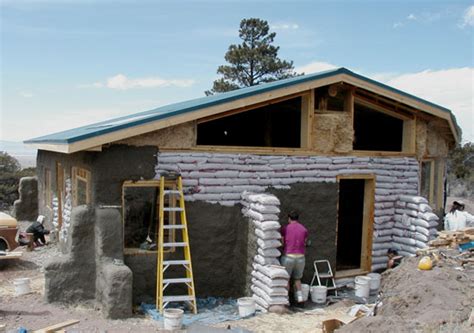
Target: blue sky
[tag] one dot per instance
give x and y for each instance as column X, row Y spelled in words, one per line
column 68, row 63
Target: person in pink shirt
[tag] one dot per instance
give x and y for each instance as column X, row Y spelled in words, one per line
column 294, row 236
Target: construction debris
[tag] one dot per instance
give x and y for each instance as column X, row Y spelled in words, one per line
column 425, row 300
column 57, row 327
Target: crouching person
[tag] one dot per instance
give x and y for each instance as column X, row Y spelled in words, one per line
column 38, row 231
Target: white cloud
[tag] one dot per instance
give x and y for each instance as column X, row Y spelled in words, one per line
column 452, row 88
column 423, row 17
column 397, row 25
column 26, row 94
column 91, row 85
column 122, row 82
column 285, row 26
column 468, row 17
column 314, row 67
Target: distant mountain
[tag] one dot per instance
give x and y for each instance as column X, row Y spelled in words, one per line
column 25, row 155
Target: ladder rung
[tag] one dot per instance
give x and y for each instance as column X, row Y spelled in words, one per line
column 176, row 262
column 171, row 192
column 180, row 298
column 177, row 244
column 173, row 209
column 173, row 226
column 178, row 280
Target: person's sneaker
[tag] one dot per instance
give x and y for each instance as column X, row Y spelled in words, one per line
column 299, row 296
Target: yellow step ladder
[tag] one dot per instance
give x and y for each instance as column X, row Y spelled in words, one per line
column 171, row 187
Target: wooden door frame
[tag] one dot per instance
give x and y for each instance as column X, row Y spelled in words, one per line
column 59, row 191
column 367, row 224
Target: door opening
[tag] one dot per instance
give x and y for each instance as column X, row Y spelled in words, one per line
column 354, row 227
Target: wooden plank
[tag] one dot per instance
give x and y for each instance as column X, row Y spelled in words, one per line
column 356, row 176
column 141, row 183
column 57, row 327
column 440, row 184
column 307, row 112
column 350, row 273
column 373, row 105
column 59, row 189
column 387, row 104
column 284, row 151
column 368, row 224
column 409, row 136
column 96, row 148
column 11, row 255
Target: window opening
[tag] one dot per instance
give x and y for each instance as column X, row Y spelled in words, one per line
column 330, row 98
column 140, row 204
column 427, row 180
column 274, row 125
column 81, row 186
column 376, row 131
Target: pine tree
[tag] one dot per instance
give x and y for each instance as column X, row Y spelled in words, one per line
column 252, row 62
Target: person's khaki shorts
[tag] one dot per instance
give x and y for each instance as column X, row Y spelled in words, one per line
column 294, row 266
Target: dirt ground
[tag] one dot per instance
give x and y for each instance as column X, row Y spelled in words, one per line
column 31, row 312
column 439, row 300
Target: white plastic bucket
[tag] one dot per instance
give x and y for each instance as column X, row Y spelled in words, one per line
column 246, row 306
column 22, row 286
column 305, row 291
column 362, row 286
column 318, row 294
column 374, row 283
column 173, row 319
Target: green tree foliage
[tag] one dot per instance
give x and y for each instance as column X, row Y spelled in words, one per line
column 252, row 62
column 8, row 164
column 10, row 175
column 461, row 161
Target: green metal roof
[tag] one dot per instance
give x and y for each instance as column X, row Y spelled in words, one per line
column 108, row 126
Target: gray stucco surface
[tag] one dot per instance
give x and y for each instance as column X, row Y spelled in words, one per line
column 87, row 273
column 26, row 207
column 317, row 205
column 71, row 278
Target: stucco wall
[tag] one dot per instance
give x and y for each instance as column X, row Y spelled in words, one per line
column 429, row 141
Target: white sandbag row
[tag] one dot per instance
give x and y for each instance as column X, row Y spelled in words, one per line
column 220, row 177
column 66, row 209
column 415, row 224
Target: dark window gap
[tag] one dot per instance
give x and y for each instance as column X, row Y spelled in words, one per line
column 275, row 125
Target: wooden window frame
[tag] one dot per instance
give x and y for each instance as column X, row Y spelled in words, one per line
column 82, row 175
column 409, row 125
column 48, row 191
column 60, row 190
column 172, row 232
column 306, row 124
column 367, row 225
column 431, row 184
